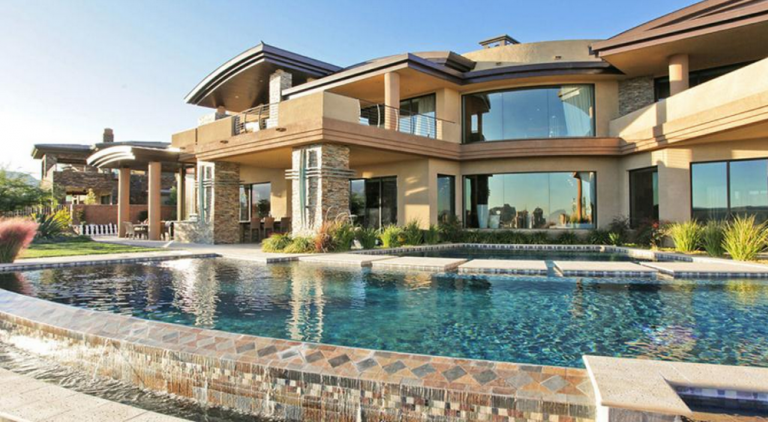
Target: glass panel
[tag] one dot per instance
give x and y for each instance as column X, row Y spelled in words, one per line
column 261, row 205
column 357, row 201
column 546, row 112
column 388, row 201
column 709, row 191
column 373, row 202
column 446, row 198
column 749, row 188
column 530, row 200
column 644, row 196
column 244, row 201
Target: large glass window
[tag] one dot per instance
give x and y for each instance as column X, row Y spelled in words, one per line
column 726, row 188
column 446, row 197
column 416, row 116
column 530, row 200
column 643, row 196
column 530, row 113
column 245, row 200
column 373, row 202
column 261, row 202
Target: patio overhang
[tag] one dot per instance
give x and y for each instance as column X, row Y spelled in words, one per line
column 135, row 158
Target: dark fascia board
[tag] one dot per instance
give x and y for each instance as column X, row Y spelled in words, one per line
column 398, row 61
column 262, row 53
column 698, row 19
column 39, row 150
column 541, row 69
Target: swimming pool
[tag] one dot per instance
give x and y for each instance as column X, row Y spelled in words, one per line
column 540, row 320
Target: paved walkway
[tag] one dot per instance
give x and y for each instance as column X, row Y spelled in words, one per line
column 26, row 399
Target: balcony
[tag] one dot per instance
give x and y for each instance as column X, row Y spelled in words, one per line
column 272, row 119
column 731, row 103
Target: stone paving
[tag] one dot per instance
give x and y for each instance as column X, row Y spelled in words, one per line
column 26, row 399
column 120, row 258
column 418, row 264
column 504, row 266
column 602, row 269
column 709, row 270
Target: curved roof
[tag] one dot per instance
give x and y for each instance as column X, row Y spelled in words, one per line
column 243, row 82
column 134, row 157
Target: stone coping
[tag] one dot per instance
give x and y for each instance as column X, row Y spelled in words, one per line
column 229, row 368
column 709, row 270
column 652, row 386
column 602, row 269
column 344, row 259
column 418, row 264
column 504, row 266
column 82, row 260
column 27, row 399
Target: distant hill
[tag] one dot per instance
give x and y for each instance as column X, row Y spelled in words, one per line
column 31, row 180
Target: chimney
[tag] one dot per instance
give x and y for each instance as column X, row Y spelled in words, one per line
column 109, row 136
column 499, row 41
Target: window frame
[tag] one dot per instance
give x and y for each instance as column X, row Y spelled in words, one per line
column 528, row 88
column 464, row 198
column 381, row 188
column 453, row 178
column 629, row 189
column 249, row 193
column 728, row 213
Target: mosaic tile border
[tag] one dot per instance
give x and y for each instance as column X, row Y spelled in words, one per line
column 503, row 271
column 294, row 380
column 87, row 260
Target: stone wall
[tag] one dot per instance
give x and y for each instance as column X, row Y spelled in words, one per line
column 192, row 232
column 325, row 185
column 81, row 181
column 220, row 222
column 635, row 94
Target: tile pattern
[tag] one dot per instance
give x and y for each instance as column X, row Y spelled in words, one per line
column 79, row 261
column 295, row 380
column 602, row 269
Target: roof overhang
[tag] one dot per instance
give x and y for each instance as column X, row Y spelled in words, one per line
column 73, row 150
column 135, row 158
column 243, row 82
column 712, row 33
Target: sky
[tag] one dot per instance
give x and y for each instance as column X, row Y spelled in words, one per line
column 70, row 68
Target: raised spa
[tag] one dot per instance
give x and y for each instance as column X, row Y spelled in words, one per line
column 541, row 320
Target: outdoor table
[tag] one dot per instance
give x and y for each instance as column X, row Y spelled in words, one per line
column 142, row 230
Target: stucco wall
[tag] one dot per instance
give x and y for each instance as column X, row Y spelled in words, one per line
column 413, row 183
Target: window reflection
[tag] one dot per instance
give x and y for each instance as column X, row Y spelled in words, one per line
column 373, row 202
column 530, row 200
column 723, row 189
column 255, row 201
column 446, row 194
column 530, row 113
column 643, row 196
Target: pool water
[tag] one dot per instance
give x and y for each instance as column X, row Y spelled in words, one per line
column 540, row 320
column 490, row 253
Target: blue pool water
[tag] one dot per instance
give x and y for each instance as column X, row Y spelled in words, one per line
column 490, row 253
column 552, row 321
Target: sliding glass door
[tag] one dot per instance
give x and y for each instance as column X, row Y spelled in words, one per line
column 643, row 196
column 373, row 202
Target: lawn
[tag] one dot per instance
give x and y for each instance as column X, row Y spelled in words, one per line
column 81, row 247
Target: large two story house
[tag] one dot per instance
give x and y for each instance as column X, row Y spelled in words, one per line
column 665, row 121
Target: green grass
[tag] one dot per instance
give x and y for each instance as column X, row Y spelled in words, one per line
column 88, row 247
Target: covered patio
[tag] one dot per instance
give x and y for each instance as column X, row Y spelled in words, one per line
column 154, row 161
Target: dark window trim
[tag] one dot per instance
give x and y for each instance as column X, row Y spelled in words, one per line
column 523, row 88
column 397, row 192
column 464, row 196
column 727, row 181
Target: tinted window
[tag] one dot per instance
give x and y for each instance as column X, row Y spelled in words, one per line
column 643, row 196
column 709, row 191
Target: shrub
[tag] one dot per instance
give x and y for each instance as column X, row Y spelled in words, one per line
column 432, row 235
column 391, row 236
column 712, row 238
column 617, row 230
column 615, row 239
column 342, row 236
column 48, row 227
column 324, row 237
column 276, row 243
column 300, row 244
column 686, row 236
column 63, row 217
column 143, row 215
column 367, row 236
column 567, row 238
column 743, row 239
column 15, row 235
column 539, row 238
column 649, row 233
column 451, row 230
column 412, row 235
column 598, row 237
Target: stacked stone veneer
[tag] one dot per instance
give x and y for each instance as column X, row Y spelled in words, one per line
column 325, row 185
column 221, row 219
column 278, row 82
column 635, row 94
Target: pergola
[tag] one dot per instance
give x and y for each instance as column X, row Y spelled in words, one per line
column 125, row 158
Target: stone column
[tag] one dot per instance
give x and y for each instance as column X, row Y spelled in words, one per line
column 181, row 193
column 224, row 203
column 278, row 82
column 153, row 200
column 123, row 199
column 320, row 186
column 391, row 100
column 678, row 73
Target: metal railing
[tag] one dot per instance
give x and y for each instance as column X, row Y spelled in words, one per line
column 405, row 121
column 254, row 119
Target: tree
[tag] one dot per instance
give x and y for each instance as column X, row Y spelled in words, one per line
column 91, row 198
column 16, row 192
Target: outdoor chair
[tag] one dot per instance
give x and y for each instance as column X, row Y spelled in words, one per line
column 285, row 225
column 269, row 227
column 129, row 232
column 255, row 226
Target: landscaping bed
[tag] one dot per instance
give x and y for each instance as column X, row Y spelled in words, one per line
column 78, row 246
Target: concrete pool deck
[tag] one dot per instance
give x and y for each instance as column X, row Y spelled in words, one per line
column 504, row 266
column 602, row 269
column 24, row 398
column 344, row 259
column 418, row 264
column 709, row 270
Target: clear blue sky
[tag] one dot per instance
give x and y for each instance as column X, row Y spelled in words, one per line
column 70, row 68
